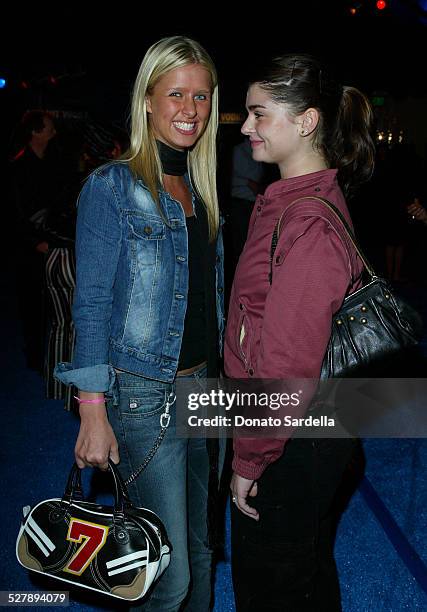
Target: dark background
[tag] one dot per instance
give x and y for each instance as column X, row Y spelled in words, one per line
column 93, row 50
column 81, row 59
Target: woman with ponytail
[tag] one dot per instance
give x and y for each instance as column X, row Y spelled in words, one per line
column 318, row 133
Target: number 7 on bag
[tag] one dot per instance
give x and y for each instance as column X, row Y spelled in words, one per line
column 94, row 537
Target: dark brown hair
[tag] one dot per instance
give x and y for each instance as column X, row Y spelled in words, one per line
column 343, row 134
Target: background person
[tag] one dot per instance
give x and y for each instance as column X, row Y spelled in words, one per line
column 34, row 188
column 246, row 183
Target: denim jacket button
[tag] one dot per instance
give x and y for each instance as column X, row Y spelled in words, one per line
column 220, row 289
column 148, row 230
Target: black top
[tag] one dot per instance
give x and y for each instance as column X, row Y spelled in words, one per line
column 199, row 342
column 193, row 348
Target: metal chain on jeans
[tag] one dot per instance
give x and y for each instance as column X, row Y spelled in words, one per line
column 165, row 418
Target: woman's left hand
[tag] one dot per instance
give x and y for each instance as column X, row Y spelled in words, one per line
column 241, row 488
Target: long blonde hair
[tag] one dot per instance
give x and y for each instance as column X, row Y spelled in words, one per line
column 142, row 155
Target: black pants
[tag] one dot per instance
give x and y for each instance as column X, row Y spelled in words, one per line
column 284, row 562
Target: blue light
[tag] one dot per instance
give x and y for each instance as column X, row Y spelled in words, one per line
column 423, row 4
column 2, row 83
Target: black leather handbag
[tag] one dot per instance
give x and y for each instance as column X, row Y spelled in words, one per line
column 374, row 324
column 119, row 551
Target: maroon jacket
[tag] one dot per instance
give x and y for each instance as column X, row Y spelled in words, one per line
column 286, row 325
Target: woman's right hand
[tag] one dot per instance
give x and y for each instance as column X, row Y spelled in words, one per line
column 96, row 442
column 417, row 211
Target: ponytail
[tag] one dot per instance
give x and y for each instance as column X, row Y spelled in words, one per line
column 349, row 145
column 343, row 134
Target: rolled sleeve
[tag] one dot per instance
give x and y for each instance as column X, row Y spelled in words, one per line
column 96, row 379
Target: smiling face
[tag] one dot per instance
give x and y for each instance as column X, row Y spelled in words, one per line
column 179, row 106
column 273, row 133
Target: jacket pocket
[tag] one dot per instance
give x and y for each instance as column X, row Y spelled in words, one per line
column 244, row 337
column 145, row 232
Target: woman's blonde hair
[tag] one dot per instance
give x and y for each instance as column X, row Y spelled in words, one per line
column 142, row 155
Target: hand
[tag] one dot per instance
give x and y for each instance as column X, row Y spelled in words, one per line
column 96, row 441
column 241, row 488
column 42, row 247
column 417, row 211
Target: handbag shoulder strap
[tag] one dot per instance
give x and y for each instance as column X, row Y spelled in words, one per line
column 342, row 223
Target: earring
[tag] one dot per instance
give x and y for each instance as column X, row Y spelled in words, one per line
column 303, row 132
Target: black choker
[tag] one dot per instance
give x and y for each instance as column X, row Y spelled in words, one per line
column 173, row 162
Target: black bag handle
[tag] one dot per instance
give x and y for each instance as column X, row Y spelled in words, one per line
column 347, row 230
column 73, row 488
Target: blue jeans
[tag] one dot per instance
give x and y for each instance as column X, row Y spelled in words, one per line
column 174, row 485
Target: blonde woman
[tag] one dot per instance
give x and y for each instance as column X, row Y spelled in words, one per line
column 148, row 306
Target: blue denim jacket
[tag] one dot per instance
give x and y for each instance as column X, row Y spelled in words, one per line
column 132, row 282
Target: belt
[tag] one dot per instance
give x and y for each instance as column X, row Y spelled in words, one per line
column 191, row 370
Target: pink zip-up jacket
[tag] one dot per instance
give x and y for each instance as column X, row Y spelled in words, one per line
column 286, row 325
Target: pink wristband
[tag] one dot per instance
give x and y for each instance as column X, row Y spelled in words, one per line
column 99, row 400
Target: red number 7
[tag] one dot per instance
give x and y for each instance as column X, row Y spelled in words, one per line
column 94, row 536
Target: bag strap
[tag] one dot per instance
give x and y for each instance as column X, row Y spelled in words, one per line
column 341, row 222
column 73, row 489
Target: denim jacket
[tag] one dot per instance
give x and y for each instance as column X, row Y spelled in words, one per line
column 132, row 282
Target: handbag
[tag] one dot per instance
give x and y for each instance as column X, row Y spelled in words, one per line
column 374, row 324
column 117, row 550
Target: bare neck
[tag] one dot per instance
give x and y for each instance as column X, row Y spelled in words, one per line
column 306, row 164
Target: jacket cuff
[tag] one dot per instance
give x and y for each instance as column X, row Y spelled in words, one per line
column 97, row 379
column 247, row 469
